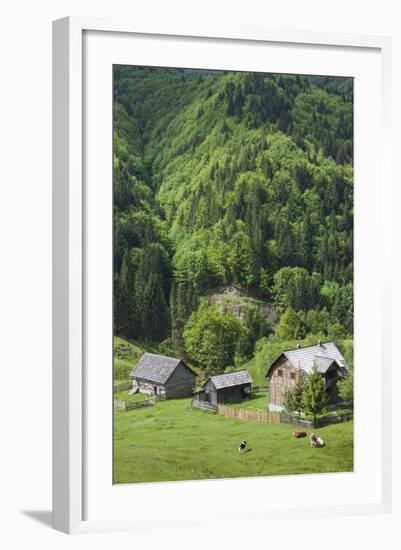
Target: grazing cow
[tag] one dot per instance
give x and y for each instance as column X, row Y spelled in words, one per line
column 299, row 434
column 242, row 446
column 316, row 441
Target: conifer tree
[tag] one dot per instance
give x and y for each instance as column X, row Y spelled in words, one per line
column 125, row 292
column 294, row 397
column 314, row 395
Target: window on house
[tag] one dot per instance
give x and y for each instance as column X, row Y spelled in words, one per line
column 292, row 376
column 279, row 372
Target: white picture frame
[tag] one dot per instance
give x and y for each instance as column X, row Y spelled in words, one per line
column 70, row 257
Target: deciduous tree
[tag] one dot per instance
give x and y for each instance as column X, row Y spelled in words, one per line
column 211, row 338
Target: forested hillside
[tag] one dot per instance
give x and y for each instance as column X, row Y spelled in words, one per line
column 238, row 181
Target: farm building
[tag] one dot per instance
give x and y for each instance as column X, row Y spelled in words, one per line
column 326, row 358
column 224, row 388
column 163, row 376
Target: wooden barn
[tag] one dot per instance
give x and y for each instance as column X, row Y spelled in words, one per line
column 231, row 387
column 326, row 358
column 164, row 376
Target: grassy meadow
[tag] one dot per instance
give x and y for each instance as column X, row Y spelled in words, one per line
column 172, row 441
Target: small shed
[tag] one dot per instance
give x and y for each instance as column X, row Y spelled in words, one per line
column 324, row 357
column 164, row 376
column 231, row 387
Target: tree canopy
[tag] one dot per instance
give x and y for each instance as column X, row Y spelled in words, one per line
column 228, row 179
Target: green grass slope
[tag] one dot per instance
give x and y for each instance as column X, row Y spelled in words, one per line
column 171, row 442
column 126, row 355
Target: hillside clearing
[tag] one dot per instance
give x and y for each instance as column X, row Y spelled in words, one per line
column 171, row 441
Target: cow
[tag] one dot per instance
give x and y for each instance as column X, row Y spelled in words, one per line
column 299, row 434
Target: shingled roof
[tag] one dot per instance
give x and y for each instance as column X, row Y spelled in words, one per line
column 155, row 368
column 231, row 379
column 322, row 364
column 321, row 356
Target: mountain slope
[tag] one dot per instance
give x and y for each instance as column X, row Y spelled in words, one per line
column 227, row 179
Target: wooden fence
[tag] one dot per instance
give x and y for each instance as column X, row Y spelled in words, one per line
column 121, row 405
column 204, row 405
column 129, row 405
column 270, row 417
column 334, row 419
column 249, row 415
column 258, row 389
column 286, row 418
column 319, row 423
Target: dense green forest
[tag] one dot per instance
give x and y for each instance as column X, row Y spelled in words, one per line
column 233, row 211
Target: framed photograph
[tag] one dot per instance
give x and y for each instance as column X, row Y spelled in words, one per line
column 221, row 293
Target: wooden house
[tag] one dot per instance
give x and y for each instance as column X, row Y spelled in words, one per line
column 231, row 387
column 282, row 373
column 164, row 376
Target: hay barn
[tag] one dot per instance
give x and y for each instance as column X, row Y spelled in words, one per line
column 231, row 387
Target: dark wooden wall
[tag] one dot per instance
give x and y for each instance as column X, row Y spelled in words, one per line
column 210, row 392
column 332, row 376
column 181, row 383
column 235, row 394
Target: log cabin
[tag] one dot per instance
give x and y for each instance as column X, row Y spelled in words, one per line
column 162, row 376
column 325, row 357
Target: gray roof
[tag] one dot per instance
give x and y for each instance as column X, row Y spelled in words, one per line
column 322, row 364
column 320, row 355
column 231, row 379
column 155, row 368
